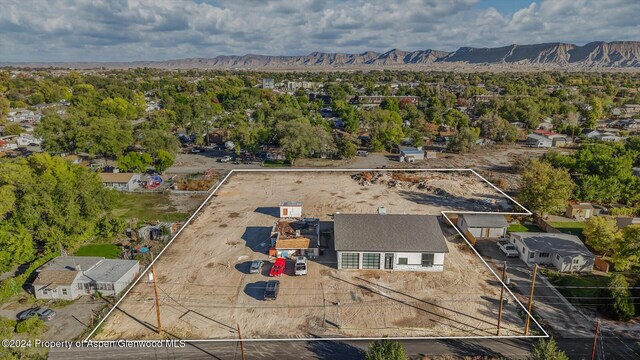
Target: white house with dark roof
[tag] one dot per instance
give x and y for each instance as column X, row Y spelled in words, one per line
column 564, row 251
column 389, row 242
column 68, row 277
column 482, row 225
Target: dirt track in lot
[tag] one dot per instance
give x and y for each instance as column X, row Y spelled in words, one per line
column 206, row 291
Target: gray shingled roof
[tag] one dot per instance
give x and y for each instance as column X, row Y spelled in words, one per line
column 389, row 232
column 485, row 220
column 562, row 244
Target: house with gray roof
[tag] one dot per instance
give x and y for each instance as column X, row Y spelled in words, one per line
column 68, row 277
column 564, row 251
column 389, row 242
column 482, row 226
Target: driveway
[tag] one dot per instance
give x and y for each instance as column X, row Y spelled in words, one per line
column 558, row 315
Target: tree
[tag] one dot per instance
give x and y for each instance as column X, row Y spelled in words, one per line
column 164, row 160
column 496, row 128
column 13, row 129
column 627, row 252
column 135, row 162
column 385, row 128
column 545, row 190
column 465, row 140
column 547, row 350
column 391, row 104
column 386, row 349
column 622, row 307
column 601, row 234
column 300, row 138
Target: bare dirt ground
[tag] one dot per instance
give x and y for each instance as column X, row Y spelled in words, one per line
column 205, row 290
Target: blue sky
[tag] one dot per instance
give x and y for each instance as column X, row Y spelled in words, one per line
column 126, row 30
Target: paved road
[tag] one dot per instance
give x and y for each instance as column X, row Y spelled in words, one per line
column 614, row 348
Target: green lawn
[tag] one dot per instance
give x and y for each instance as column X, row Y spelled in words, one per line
column 523, row 228
column 570, row 227
column 109, row 251
column 568, row 286
column 146, row 207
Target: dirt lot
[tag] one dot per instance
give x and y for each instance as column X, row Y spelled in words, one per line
column 206, row 291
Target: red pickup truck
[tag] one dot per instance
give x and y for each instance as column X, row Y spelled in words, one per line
column 278, row 267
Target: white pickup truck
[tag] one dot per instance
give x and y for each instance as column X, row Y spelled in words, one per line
column 301, row 266
column 508, row 248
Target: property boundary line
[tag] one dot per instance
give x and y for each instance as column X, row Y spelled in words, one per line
column 216, row 187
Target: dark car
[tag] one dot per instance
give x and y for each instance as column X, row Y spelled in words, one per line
column 45, row 314
column 271, row 291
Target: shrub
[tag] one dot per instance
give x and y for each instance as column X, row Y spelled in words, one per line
column 386, row 350
column 33, row 326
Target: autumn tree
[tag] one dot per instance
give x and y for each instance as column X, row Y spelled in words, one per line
column 544, row 189
column 601, row 234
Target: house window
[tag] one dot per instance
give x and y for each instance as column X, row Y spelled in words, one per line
column 403, row 261
column 45, row 291
column 350, row 260
column 576, row 261
column 371, row 261
column 557, row 257
column 427, row 260
column 105, row 286
column 544, row 255
column 532, row 255
column 64, row 292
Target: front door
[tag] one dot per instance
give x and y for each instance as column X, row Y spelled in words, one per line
column 388, row 261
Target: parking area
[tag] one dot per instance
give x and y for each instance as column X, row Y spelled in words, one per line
column 206, row 290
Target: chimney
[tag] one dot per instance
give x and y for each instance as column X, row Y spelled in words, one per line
column 78, row 268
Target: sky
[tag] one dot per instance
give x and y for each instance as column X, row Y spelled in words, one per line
column 128, row 30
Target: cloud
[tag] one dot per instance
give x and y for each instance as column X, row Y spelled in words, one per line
column 124, row 30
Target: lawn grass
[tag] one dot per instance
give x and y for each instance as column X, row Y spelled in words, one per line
column 591, row 287
column 146, row 207
column 523, row 228
column 275, row 163
column 109, row 251
column 570, row 227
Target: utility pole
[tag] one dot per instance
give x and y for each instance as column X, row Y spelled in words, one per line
column 595, row 340
column 504, row 270
column 533, row 283
column 241, row 345
column 155, row 288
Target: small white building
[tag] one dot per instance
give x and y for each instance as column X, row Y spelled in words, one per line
column 389, row 242
column 564, row 251
column 411, row 154
column 68, row 277
column 482, row 225
column 290, row 209
column 538, row 141
column 121, row 181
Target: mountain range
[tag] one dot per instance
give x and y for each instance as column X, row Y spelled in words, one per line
column 594, row 55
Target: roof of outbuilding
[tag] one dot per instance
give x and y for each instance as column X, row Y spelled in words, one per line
column 388, row 232
column 485, row 220
column 562, row 244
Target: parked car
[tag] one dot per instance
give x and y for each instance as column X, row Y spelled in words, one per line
column 271, row 291
column 278, row 267
column 363, row 153
column 256, row 267
column 508, row 248
column 301, row 266
column 43, row 313
column 225, row 159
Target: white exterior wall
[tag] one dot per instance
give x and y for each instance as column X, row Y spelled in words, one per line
column 563, row 264
column 125, row 280
column 480, row 232
column 56, row 293
column 414, row 261
column 292, row 211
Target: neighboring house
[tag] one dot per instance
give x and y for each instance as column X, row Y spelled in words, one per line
column 538, row 141
column 295, row 238
column 27, row 139
column 411, row 154
column 564, row 251
column 603, row 136
column 389, row 242
column 289, row 209
column 121, row 181
column 636, row 171
column 580, row 211
column 157, row 232
column 482, row 225
column 68, row 277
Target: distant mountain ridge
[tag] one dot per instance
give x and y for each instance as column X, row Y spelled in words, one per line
column 615, row 54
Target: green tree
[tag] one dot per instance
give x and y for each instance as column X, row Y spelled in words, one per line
column 386, row 128
column 135, row 162
column 300, row 138
column 164, row 160
column 32, row 326
column 547, row 350
column 386, row 349
column 13, row 129
column 627, row 251
column 464, row 141
column 601, row 234
column 545, row 190
column 622, row 307
column 390, row 103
